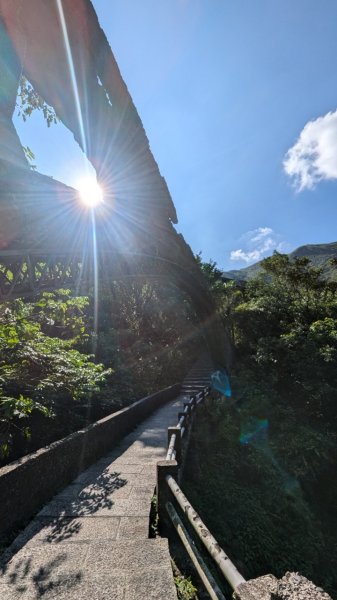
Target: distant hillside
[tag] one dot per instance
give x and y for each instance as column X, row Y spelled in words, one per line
column 319, row 254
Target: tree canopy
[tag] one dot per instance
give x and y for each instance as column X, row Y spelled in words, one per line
column 262, row 465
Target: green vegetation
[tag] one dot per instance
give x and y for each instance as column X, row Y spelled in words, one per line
column 323, row 256
column 262, row 466
column 41, row 368
column 154, row 517
column 57, row 374
column 148, row 332
column 28, row 101
column 185, row 588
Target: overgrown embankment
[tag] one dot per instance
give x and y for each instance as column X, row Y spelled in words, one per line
column 264, row 483
column 261, row 466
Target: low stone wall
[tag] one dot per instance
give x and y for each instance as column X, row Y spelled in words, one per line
column 28, row 483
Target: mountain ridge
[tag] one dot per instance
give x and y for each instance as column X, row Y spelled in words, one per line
column 319, row 255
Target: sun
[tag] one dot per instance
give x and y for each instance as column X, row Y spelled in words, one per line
column 91, row 193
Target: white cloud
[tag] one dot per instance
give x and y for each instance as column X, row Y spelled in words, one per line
column 256, row 244
column 314, row 156
column 260, row 233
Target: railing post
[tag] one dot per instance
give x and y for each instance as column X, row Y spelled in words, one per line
column 164, row 468
column 177, row 432
column 185, row 417
column 189, row 408
column 223, row 562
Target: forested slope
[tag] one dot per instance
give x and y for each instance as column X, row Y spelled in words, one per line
column 262, row 465
column 321, row 255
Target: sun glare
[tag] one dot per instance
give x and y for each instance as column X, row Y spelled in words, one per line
column 91, row 194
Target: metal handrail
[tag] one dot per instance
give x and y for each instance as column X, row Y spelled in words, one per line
column 227, row 568
column 222, row 561
column 171, row 452
column 181, row 422
column 203, row 571
column 194, row 400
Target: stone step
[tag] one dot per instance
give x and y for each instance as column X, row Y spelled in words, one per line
column 194, row 386
column 110, row 570
column 196, row 378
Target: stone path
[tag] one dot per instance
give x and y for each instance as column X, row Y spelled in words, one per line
column 92, row 540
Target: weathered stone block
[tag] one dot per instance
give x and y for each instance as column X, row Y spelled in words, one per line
column 256, row 589
column 294, row 586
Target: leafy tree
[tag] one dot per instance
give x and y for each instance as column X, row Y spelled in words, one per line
column 30, row 156
column 40, row 367
column 262, row 467
column 28, row 101
column 152, row 330
column 227, row 295
column 286, row 327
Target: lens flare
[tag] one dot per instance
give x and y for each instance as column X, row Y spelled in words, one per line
column 220, row 382
column 255, row 430
column 91, row 194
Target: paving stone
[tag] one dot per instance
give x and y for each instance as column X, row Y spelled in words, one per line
column 139, row 457
column 99, row 569
column 45, row 566
column 93, row 507
column 89, row 474
column 142, row 491
column 65, row 586
column 151, row 586
column 142, row 478
column 149, row 469
column 136, row 584
column 67, row 529
column 104, row 558
column 133, row 528
column 99, row 475
column 112, row 489
column 123, row 468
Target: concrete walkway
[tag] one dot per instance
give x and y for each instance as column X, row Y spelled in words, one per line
column 92, row 540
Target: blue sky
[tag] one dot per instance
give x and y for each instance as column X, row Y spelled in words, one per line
column 238, row 100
